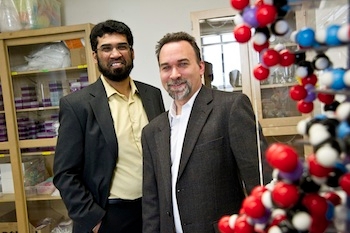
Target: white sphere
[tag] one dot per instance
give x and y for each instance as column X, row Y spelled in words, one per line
column 318, row 133
column 232, row 220
column 302, row 125
column 322, row 63
column 259, row 38
column 259, row 227
column 274, row 229
column 238, row 19
column 320, row 36
column 293, row 35
column 301, row 221
column 327, row 156
column 266, row 199
column 344, row 33
column 278, row 211
column 343, row 111
column 281, row 27
column 279, row 47
column 346, row 78
column 326, row 79
column 275, row 173
column 301, row 72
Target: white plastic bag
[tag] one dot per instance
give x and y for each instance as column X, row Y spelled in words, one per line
column 51, row 56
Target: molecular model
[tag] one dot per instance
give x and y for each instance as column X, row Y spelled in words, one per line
column 306, row 194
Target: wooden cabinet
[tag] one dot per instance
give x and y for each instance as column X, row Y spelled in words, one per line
column 38, row 67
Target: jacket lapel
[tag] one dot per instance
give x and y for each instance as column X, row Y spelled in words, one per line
column 100, row 107
column 162, row 138
column 147, row 103
column 200, row 111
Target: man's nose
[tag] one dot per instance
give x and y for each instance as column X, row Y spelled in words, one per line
column 175, row 73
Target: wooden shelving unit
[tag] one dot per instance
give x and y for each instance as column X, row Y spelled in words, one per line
column 14, row 46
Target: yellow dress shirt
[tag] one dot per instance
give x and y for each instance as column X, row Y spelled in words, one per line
column 129, row 118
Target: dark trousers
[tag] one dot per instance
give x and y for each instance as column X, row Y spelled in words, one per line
column 122, row 216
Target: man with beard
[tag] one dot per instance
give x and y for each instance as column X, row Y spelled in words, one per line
column 200, row 154
column 98, row 160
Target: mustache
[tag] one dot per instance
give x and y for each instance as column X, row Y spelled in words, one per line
column 176, row 82
column 120, row 60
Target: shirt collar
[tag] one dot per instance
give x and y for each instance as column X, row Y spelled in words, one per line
column 188, row 104
column 111, row 91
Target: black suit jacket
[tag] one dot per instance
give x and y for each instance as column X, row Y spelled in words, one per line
column 220, row 151
column 86, row 151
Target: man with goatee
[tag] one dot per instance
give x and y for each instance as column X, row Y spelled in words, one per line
column 98, row 160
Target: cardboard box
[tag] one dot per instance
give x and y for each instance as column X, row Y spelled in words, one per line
column 78, row 56
column 77, row 51
column 8, row 224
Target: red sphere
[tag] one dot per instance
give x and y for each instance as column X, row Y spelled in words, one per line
column 260, row 72
column 344, row 182
column 242, row 225
column 266, row 14
column 325, row 98
column 297, row 92
column 311, row 79
column 285, row 195
column 319, row 225
column 260, row 48
column 333, row 198
column 258, row 191
column 286, row 58
column 282, row 157
column 305, row 107
column 316, row 169
column 253, row 207
column 242, row 33
column 223, row 225
column 315, row 204
column 239, row 4
column 270, row 57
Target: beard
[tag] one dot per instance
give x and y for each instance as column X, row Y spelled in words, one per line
column 179, row 94
column 118, row 74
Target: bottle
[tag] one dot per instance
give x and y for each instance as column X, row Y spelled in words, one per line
column 9, row 17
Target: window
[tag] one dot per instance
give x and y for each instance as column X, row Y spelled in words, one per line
column 221, row 50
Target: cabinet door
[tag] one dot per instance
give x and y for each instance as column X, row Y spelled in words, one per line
column 7, row 197
column 274, row 106
column 41, row 67
column 228, row 60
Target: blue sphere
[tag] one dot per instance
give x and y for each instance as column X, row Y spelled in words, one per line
column 338, row 81
column 332, row 35
column 343, row 129
column 306, row 37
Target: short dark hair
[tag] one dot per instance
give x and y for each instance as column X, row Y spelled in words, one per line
column 175, row 37
column 110, row 27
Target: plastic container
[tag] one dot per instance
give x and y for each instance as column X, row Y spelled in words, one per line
column 34, row 14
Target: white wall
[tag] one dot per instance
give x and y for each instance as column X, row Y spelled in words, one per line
column 149, row 20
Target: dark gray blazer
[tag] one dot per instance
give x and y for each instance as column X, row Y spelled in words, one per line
column 219, row 151
column 86, row 151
